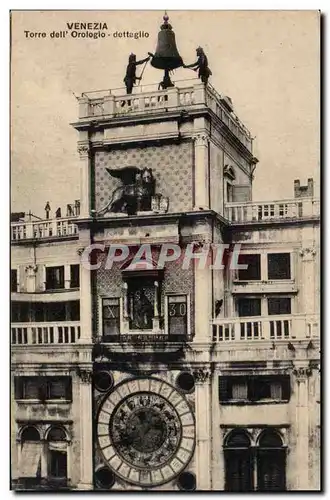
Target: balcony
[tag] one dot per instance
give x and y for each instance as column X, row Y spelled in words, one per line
column 186, row 95
column 67, row 332
column 271, row 328
column 251, row 212
column 55, row 228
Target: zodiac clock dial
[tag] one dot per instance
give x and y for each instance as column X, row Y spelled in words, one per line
column 146, row 431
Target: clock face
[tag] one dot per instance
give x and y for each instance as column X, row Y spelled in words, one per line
column 146, row 431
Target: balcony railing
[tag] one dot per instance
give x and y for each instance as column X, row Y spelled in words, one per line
column 148, row 99
column 266, row 328
column 55, row 228
column 299, row 208
column 67, row 332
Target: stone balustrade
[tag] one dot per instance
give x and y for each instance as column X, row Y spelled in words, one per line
column 297, row 208
column 185, row 95
column 50, row 228
column 269, row 328
column 66, row 332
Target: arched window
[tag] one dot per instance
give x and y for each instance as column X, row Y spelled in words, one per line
column 238, row 460
column 271, row 459
column 30, row 433
column 57, row 455
column 56, row 434
column 30, row 454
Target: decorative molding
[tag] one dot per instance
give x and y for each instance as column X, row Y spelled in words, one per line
column 83, row 150
column 85, row 375
column 80, row 251
column 302, row 372
column 31, row 269
column 201, row 375
column 201, row 139
column 308, row 252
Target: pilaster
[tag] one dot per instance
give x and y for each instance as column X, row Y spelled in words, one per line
column 203, row 429
column 201, row 170
column 85, row 178
column 86, row 429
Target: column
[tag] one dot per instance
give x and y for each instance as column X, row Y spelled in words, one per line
column 201, row 171
column 85, row 179
column 308, row 279
column 85, row 429
column 203, row 429
column 299, row 448
column 86, row 332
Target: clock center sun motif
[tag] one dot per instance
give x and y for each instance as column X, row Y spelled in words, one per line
column 146, row 431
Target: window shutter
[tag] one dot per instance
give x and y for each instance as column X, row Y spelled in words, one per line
column 224, row 389
column 18, row 387
column 252, row 392
column 286, row 387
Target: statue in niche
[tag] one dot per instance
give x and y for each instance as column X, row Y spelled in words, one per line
column 135, row 194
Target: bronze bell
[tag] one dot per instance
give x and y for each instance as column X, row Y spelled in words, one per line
column 166, row 56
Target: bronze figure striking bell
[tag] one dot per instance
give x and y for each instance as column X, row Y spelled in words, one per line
column 166, row 56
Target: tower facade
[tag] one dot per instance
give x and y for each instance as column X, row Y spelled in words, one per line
column 186, row 366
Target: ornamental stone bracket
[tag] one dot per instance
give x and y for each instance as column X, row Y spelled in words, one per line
column 31, row 269
column 307, row 253
column 201, row 375
column 84, row 150
column 302, row 373
column 201, row 139
column 85, row 375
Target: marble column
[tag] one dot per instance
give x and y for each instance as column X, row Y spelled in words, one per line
column 203, row 429
column 85, row 429
column 85, row 179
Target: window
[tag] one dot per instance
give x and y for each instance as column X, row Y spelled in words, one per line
column 252, row 261
column 238, row 462
column 43, row 388
column 30, row 456
column 269, row 469
column 279, row 266
column 279, row 305
column 249, row 307
column 13, row 280
column 57, row 454
column 20, row 312
column 254, row 388
column 229, row 192
column 271, row 462
column 54, row 278
column 74, row 276
column 111, row 317
column 177, row 315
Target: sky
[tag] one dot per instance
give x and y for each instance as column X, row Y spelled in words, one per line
column 268, row 62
